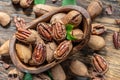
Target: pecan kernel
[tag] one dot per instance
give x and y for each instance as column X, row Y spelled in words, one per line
column 58, row 31
column 100, row 64
column 45, row 31
column 63, row 49
column 39, row 54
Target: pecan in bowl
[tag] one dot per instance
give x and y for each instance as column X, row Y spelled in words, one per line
column 46, row 34
column 45, row 31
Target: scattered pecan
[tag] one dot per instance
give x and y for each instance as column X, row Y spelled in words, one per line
column 45, row 31
column 116, row 39
column 100, row 64
column 109, row 10
column 39, row 54
column 63, row 49
column 98, row 29
column 26, row 36
column 58, row 31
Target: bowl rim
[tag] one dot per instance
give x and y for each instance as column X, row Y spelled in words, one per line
column 36, row 70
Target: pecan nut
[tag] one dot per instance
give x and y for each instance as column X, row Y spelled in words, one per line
column 63, row 49
column 99, row 64
column 19, row 22
column 98, row 29
column 58, row 31
column 45, row 31
column 39, row 54
column 73, row 17
column 26, row 36
column 116, row 39
column 26, row 3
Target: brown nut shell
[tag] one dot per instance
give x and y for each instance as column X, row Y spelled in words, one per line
column 15, row 1
column 58, row 72
column 50, row 48
column 57, row 18
column 63, row 50
column 4, row 48
column 78, row 68
column 96, row 42
column 24, row 52
column 41, row 9
column 4, row 19
column 95, row 8
column 25, row 3
column 73, row 17
column 78, row 34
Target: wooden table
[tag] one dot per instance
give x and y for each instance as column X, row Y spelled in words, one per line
column 109, row 52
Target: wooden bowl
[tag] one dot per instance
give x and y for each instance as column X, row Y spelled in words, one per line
column 35, row 70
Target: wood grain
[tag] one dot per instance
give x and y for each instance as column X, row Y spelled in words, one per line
column 109, row 52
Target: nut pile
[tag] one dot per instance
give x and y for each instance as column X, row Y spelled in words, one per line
column 48, row 42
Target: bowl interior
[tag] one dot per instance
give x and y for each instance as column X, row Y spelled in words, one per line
column 85, row 27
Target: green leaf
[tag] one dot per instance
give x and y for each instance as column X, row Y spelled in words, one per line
column 69, row 28
column 49, row 74
column 68, row 2
column 28, row 76
column 39, row 1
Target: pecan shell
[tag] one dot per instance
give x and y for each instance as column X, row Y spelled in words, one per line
column 45, row 31
column 39, row 54
column 26, row 3
column 26, row 36
column 63, row 50
column 58, row 31
column 116, row 39
column 99, row 64
column 73, row 17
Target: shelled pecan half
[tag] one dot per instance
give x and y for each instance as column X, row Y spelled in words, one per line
column 99, row 63
column 39, row 54
column 116, row 39
column 63, row 49
column 58, row 31
column 98, row 29
column 26, row 36
column 45, row 31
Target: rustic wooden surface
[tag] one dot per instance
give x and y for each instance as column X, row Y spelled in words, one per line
column 109, row 52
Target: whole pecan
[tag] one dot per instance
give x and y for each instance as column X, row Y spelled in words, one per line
column 25, row 3
column 116, row 39
column 98, row 29
column 73, row 17
column 26, row 36
column 39, row 54
column 63, row 49
column 45, row 31
column 58, row 31
column 99, row 64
